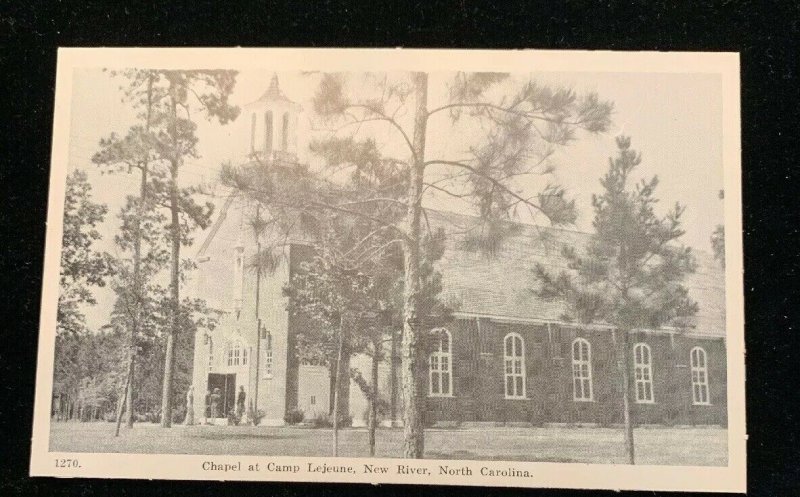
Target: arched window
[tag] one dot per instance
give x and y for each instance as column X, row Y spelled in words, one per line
column 581, row 370
column 514, row 355
column 440, row 377
column 233, row 355
column 237, row 355
column 268, row 133
column 699, row 368
column 285, row 132
column 643, row 373
column 252, row 133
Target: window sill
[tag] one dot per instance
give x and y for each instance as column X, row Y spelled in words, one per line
column 583, row 400
column 702, row 404
column 645, row 402
column 440, row 396
column 517, row 398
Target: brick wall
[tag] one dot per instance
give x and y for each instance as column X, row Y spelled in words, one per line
column 297, row 255
column 479, row 389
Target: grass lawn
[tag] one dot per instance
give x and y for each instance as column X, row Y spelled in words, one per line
column 658, row 446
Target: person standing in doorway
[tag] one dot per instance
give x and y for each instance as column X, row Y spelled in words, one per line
column 215, row 399
column 240, row 398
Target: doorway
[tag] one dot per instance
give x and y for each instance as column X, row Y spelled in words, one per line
column 227, row 389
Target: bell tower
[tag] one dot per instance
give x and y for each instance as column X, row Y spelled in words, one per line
column 272, row 121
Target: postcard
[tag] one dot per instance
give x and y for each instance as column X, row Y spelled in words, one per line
column 446, row 267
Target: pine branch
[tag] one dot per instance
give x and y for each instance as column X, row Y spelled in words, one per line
column 494, row 182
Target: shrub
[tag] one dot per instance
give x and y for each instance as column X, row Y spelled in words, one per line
column 255, row 417
column 234, row 418
column 382, row 409
column 321, row 420
column 345, row 421
column 326, row 421
column 294, row 416
column 178, row 414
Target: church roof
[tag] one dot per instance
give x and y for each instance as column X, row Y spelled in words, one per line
column 501, row 285
column 221, row 216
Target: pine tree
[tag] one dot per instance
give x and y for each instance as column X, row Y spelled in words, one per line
column 630, row 274
column 136, row 151
column 141, row 235
column 520, row 132
column 168, row 104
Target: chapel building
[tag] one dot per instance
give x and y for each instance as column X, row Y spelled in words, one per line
column 506, row 356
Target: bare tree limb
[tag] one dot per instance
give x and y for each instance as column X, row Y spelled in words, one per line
column 494, row 181
column 395, row 124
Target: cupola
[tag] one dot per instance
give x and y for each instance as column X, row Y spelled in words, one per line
column 272, row 121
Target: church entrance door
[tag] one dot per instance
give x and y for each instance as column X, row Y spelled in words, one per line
column 227, row 389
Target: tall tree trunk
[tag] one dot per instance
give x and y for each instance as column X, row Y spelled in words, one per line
column 413, row 431
column 137, row 267
column 344, row 383
column 393, row 379
column 137, row 295
column 129, row 388
column 169, row 361
column 373, row 399
column 122, row 401
column 332, row 375
column 624, row 366
column 254, row 400
column 337, row 393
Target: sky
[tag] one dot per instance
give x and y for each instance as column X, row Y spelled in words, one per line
column 674, row 120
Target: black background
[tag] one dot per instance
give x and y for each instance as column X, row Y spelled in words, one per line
column 766, row 34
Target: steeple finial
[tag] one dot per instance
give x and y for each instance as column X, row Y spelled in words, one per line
column 273, row 90
column 274, row 93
